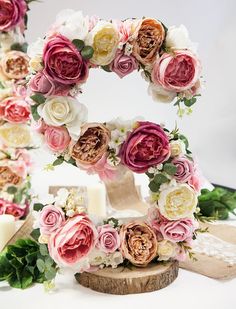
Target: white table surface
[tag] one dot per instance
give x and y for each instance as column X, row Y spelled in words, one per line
column 189, row 290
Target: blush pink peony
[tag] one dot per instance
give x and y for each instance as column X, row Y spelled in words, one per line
column 73, row 242
column 14, row 110
column 177, row 72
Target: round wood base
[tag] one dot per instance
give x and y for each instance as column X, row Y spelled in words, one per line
column 132, row 280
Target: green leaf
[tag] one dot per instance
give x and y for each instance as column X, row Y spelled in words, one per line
column 27, row 279
column 38, row 98
column 35, row 234
column 79, row 44
column 43, row 250
column 38, row 206
column 184, row 139
column 153, row 186
column 14, row 282
column 58, row 161
column 11, row 190
column 189, row 102
column 87, row 52
column 1, row 85
column 34, row 112
column 106, row 68
column 48, row 261
column 170, row 169
column 50, row 273
column 160, row 179
column 41, row 265
column 150, row 175
column 20, row 47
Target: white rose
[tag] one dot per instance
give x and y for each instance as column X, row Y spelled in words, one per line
column 35, row 49
column 97, row 257
column 114, row 259
column 16, row 135
column 72, row 24
column 177, row 148
column 104, row 38
column 166, row 250
column 5, row 92
column 59, row 111
column 159, row 94
column 178, row 38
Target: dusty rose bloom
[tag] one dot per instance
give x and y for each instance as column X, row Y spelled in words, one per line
column 15, row 65
column 92, row 144
column 8, row 177
column 148, row 40
column 138, row 243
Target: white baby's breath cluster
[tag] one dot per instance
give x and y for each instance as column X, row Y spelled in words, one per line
column 101, row 259
column 71, row 201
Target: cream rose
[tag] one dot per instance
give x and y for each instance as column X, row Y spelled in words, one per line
column 166, row 250
column 104, row 38
column 178, row 38
column 59, row 111
column 15, row 135
column 72, row 24
column 159, row 94
column 177, row 148
column 177, row 202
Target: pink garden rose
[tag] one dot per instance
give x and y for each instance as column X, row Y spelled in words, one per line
column 57, row 138
column 196, row 182
column 146, row 146
column 72, row 242
column 43, row 84
column 108, row 239
column 123, row 65
column 185, row 168
column 177, row 72
column 13, row 209
column 63, row 62
column 51, row 218
column 14, row 110
column 124, row 28
column 12, row 14
column 177, row 231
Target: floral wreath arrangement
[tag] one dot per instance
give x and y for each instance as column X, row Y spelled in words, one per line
column 68, row 237
column 15, row 196
column 60, row 63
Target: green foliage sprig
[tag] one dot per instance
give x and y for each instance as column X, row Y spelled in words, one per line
column 217, row 204
column 25, row 263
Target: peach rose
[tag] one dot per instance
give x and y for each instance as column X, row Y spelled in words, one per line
column 92, row 144
column 138, row 243
column 149, row 37
column 14, row 65
column 8, row 177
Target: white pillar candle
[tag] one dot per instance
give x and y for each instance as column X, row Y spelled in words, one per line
column 7, row 229
column 97, row 200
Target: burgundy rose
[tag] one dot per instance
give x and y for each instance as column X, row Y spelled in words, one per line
column 63, row 62
column 9, row 208
column 123, row 64
column 12, row 13
column 146, row 146
column 43, row 84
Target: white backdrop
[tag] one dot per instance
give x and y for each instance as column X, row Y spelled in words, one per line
column 212, row 126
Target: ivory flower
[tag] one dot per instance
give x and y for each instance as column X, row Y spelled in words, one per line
column 104, row 38
column 177, row 148
column 166, row 250
column 15, row 135
column 177, row 202
column 178, row 38
column 159, row 94
column 58, row 111
column 72, row 24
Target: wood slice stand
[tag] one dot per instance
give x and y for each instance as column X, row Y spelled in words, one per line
column 133, row 280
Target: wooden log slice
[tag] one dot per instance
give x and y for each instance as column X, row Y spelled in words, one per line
column 133, row 280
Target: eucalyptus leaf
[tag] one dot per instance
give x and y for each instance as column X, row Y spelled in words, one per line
column 79, row 44
column 87, row 52
column 160, row 179
column 38, row 206
column 170, row 169
column 11, row 190
column 38, row 98
column 41, row 265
